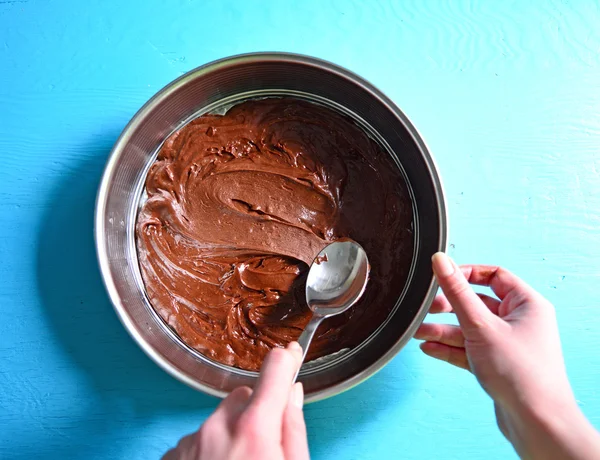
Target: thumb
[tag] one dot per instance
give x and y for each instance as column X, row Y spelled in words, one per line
column 293, row 436
column 474, row 317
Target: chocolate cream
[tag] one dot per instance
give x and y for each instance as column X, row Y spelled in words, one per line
column 238, row 206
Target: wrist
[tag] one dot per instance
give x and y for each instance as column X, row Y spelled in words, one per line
column 554, row 430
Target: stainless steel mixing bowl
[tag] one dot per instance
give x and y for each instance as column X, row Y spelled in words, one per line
column 213, row 88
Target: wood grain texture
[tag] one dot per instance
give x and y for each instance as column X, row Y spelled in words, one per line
column 506, row 95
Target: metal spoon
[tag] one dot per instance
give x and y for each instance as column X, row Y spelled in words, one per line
column 336, row 280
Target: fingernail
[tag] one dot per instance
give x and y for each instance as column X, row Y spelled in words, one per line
column 442, row 265
column 297, row 395
column 296, row 349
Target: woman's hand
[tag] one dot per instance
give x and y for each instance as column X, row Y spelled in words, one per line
column 511, row 344
column 264, row 423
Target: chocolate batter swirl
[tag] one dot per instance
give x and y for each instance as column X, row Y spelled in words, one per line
column 239, row 205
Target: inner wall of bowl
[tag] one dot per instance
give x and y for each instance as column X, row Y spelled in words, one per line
column 201, row 91
column 221, row 107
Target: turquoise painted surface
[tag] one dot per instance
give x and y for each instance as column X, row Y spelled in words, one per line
column 507, row 94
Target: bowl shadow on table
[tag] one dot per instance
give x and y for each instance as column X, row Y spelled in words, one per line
column 79, row 311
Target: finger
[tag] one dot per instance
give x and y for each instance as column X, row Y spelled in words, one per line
column 232, row 406
column 274, row 384
column 441, row 305
column 472, row 314
column 499, row 279
column 294, row 441
column 442, row 333
column 188, row 445
column 216, row 432
column 453, row 355
column 490, row 302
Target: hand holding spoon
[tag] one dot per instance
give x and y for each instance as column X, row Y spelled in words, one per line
column 336, row 280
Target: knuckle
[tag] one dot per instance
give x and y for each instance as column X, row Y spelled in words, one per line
column 249, row 423
column 457, row 287
column 455, row 337
column 479, row 324
column 500, row 272
column 519, row 297
column 486, row 333
column 544, row 303
column 209, row 430
column 437, row 332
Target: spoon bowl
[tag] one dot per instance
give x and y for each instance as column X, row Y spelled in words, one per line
column 336, row 280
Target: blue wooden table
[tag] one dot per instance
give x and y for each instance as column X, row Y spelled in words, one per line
column 507, row 95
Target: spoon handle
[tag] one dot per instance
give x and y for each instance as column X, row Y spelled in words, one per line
column 306, row 337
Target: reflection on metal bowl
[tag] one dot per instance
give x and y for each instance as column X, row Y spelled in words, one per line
column 213, row 88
